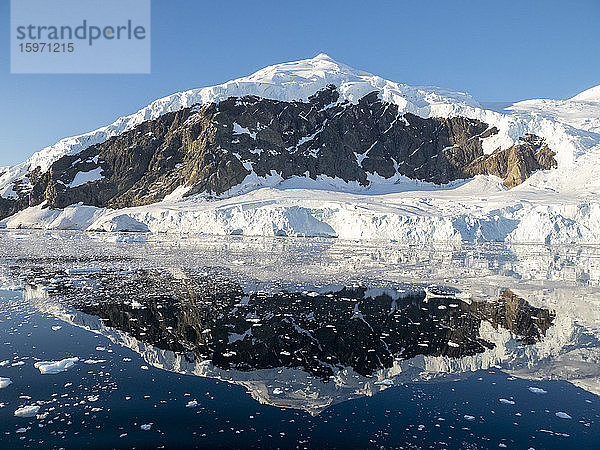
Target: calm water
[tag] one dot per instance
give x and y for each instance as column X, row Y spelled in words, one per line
column 240, row 342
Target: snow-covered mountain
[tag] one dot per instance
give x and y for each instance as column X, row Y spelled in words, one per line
column 370, row 201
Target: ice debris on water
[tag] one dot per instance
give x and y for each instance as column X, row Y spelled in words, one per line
column 562, row 415
column 4, row 382
column 146, row 426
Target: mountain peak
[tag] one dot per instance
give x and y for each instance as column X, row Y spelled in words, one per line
column 288, row 81
column 303, row 71
column 324, row 56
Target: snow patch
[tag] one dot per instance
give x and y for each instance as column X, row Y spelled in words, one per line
column 82, row 178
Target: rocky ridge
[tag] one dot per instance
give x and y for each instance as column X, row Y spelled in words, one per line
column 211, row 148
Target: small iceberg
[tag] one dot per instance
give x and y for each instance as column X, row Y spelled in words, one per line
column 54, row 367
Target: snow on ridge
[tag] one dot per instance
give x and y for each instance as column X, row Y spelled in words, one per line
column 292, row 81
column 589, row 95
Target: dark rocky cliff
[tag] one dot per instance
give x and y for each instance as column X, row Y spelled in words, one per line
column 213, row 147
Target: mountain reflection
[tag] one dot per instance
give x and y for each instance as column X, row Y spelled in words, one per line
column 209, row 317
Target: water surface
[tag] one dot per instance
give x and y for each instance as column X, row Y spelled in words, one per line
column 237, row 342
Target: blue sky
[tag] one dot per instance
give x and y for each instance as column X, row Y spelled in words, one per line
column 497, row 51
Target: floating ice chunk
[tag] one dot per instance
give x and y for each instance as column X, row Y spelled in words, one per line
column 144, row 367
column 146, row 426
column 56, row 327
column 100, row 349
column 386, row 382
column 562, row 415
column 453, row 344
column 537, row 390
column 469, row 417
column 506, row 401
column 53, row 367
column 191, row 404
column 94, row 361
column 21, row 430
column 123, row 435
column 27, row 411
column 277, row 391
column 92, row 398
column 4, row 382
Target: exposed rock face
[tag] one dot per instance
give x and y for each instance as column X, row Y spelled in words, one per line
column 515, row 164
column 212, row 148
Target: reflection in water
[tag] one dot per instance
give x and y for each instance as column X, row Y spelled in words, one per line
column 175, row 309
column 208, row 317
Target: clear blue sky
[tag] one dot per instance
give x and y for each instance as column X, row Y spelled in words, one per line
column 503, row 50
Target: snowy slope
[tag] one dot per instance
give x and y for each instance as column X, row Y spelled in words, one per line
column 479, row 210
column 581, row 112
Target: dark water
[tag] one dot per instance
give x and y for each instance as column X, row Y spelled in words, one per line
column 182, row 357
column 108, row 401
